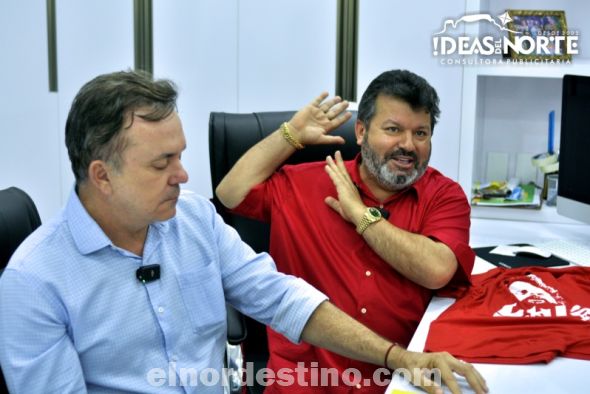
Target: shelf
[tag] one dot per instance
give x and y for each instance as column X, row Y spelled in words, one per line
column 578, row 67
column 504, row 110
column 546, row 214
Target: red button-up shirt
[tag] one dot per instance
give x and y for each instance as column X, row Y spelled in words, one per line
column 310, row 240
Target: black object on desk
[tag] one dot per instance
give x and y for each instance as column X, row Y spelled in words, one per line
column 518, row 261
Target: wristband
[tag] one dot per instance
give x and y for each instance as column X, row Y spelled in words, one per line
column 387, row 354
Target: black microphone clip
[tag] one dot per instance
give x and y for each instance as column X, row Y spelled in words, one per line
column 384, row 212
column 148, row 273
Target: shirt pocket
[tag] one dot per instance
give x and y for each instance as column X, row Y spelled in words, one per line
column 203, row 297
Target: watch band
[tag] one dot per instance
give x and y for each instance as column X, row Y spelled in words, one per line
column 371, row 215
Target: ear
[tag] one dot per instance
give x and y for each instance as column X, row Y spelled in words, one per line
column 359, row 132
column 98, row 175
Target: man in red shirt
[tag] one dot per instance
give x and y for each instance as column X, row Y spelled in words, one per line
column 377, row 234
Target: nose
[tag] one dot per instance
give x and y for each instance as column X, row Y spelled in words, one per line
column 179, row 176
column 406, row 141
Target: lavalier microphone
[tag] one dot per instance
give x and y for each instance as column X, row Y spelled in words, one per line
column 148, row 273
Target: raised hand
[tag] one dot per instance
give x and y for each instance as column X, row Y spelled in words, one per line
column 348, row 204
column 312, row 124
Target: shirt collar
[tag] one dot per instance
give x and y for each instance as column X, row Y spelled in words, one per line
column 87, row 234
column 353, row 169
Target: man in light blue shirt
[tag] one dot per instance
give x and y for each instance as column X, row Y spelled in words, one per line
column 73, row 316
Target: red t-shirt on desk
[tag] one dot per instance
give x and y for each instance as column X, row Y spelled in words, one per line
column 310, row 240
column 517, row 316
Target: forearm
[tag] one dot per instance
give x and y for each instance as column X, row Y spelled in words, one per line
column 332, row 329
column 254, row 167
column 425, row 262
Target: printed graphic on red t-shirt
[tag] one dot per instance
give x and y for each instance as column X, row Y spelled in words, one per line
column 534, row 298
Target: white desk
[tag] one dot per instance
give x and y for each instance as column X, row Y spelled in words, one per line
column 489, row 232
column 562, row 375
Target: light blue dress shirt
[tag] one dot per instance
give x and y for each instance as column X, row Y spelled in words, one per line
column 74, row 318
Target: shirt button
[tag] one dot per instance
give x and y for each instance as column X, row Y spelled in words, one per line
column 363, row 310
column 358, row 386
column 368, row 273
column 161, row 309
column 174, row 358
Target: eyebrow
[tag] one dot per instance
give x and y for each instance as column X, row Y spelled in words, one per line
column 392, row 121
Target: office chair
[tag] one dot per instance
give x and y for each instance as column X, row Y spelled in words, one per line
column 18, row 219
column 230, row 136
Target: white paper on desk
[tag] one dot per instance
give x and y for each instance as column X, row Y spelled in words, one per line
column 505, row 250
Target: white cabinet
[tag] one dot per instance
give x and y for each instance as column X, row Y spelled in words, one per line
column 505, row 109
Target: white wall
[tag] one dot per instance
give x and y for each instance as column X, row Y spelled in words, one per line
column 195, row 45
column 287, row 53
column 230, row 55
column 93, row 37
column 29, row 135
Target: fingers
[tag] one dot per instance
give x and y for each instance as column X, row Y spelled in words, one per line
column 339, row 175
column 437, row 368
column 449, row 364
column 348, row 199
column 333, row 172
column 332, row 107
column 348, row 194
column 340, row 165
column 449, row 379
column 328, row 104
column 331, row 139
column 333, row 203
column 318, row 100
column 338, row 116
column 472, row 375
column 429, row 385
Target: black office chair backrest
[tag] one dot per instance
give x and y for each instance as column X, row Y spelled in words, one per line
column 231, row 135
column 18, row 219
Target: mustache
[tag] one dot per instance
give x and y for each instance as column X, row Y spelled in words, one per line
column 401, row 152
column 175, row 194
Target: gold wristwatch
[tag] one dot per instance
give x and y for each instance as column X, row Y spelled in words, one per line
column 372, row 215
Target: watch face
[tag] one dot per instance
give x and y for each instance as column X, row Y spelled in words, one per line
column 375, row 212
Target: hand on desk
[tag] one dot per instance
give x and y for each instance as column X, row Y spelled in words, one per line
column 443, row 362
